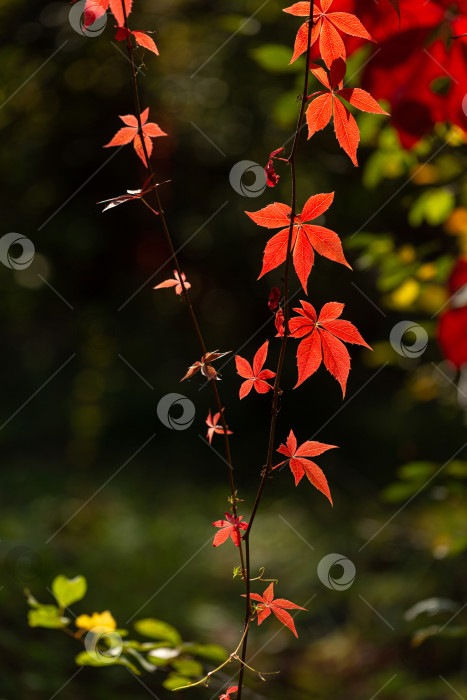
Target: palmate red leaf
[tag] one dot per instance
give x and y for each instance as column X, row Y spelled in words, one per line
column 327, row 105
column 321, row 340
column 229, row 528
column 305, row 237
column 326, row 28
column 266, row 604
column 256, row 377
column 214, row 427
column 226, row 695
column 300, row 465
column 129, row 133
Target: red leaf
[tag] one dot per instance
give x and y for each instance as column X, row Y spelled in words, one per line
column 226, row 695
column 266, row 603
column 320, row 339
column 93, row 10
column 349, row 24
column 256, row 377
column 304, row 238
column 229, row 528
column 272, row 216
column 300, row 466
column 331, row 45
column 213, row 427
column 117, row 10
column 318, row 114
column 144, row 40
column 274, row 297
column 315, row 206
column 346, row 129
column 362, row 100
column 130, row 133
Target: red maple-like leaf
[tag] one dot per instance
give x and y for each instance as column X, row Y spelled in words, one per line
column 277, row 606
column 300, row 465
column 230, row 528
column 142, row 38
column 129, row 133
column 255, row 377
column 226, row 695
column 305, row 238
column 326, row 105
column 96, row 8
column 321, row 340
column 205, row 366
column 213, row 426
column 325, row 26
column 175, row 283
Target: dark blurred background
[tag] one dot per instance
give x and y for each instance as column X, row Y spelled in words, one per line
column 95, row 484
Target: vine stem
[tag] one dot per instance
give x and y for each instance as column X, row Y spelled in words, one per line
column 174, row 258
column 277, row 390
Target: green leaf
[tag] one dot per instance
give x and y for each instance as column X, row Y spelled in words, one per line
column 157, row 629
column 433, row 206
column 84, row 658
column 188, row 667
column 46, row 616
column 174, row 681
column 209, row 652
column 68, row 590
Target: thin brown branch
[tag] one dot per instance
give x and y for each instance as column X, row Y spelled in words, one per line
column 174, row 258
column 277, row 390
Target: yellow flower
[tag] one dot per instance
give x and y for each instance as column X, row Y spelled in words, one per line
column 104, row 621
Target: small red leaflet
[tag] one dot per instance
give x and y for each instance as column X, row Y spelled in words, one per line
column 321, row 341
column 327, row 106
column 305, row 238
column 205, row 365
column 325, row 27
column 132, row 194
column 278, row 607
column 257, row 376
column 213, row 426
column 177, row 284
column 274, row 298
column 226, row 695
column 129, row 133
column 271, row 177
column 300, row 465
column 96, row 8
column 141, row 38
column 230, row 527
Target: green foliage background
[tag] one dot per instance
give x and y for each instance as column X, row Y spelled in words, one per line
column 78, row 496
